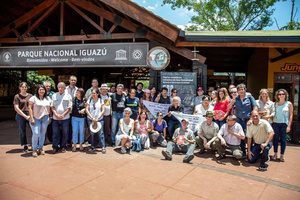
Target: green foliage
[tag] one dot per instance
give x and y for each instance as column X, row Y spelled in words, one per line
column 145, row 83
column 291, row 26
column 223, row 15
column 34, row 80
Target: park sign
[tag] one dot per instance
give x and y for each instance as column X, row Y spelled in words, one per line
column 79, row 55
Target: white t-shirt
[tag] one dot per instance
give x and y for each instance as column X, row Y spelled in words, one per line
column 231, row 139
column 40, row 108
column 107, row 109
column 95, row 108
column 201, row 111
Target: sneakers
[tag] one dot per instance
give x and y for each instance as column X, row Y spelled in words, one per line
column 166, row 155
column 123, row 150
column 34, row 153
column 103, row 150
column 41, row 152
column 74, row 148
column 188, row 159
column 92, row 149
column 220, row 157
column 281, row 158
column 25, row 149
column 263, row 168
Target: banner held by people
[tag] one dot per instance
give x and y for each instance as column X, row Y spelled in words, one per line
column 154, row 108
column 194, row 120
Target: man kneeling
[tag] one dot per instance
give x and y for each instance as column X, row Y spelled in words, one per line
column 183, row 141
column 230, row 136
column 262, row 133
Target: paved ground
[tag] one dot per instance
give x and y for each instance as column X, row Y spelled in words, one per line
column 144, row 175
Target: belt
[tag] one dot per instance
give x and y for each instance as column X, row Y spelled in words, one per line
column 244, row 119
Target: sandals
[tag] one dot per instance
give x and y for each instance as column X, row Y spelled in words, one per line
column 274, row 157
column 282, row 158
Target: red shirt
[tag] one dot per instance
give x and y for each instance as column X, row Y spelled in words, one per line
column 222, row 106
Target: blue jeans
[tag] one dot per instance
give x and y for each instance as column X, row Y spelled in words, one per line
column 220, row 123
column 77, row 127
column 100, row 135
column 171, row 127
column 22, row 128
column 39, row 132
column 243, row 123
column 62, row 136
column 279, row 130
column 115, row 124
column 256, row 149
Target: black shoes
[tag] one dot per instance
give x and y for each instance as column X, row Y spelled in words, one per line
column 188, row 159
column 166, row 155
column 220, row 157
column 201, row 151
column 25, row 149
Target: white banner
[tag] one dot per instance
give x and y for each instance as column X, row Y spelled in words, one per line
column 194, row 120
column 154, row 107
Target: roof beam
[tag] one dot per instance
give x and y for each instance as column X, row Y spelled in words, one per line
column 154, row 22
column 41, row 19
column 27, row 16
column 239, row 44
column 286, row 55
column 86, row 17
column 62, row 18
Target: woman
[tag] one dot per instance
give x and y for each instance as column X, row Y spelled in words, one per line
column 94, row 110
column 146, row 97
column 125, row 132
column 282, row 121
column 78, row 119
column 39, row 111
column 21, row 102
column 221, row 107
column 142, row 127
column 153, row 93
column 213, row 97
column 265, row 107
column 159, row 131
column 198, row 99
column 174, row 94
column 201, row 109
column 133, row 103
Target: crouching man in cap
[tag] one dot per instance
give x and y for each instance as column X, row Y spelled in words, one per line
column 183, row 141
column 207, row 133
column 230, row 136
column 262, row 133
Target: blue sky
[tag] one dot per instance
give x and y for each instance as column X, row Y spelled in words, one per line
column 181, row 17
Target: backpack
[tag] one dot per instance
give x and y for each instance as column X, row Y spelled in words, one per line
column 163, row 123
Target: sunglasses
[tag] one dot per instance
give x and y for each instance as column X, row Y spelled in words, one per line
column 281, row 94
column 159, row 115
column 232, row 92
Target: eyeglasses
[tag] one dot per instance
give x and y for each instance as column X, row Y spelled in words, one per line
column 174, row 92
column 132, row 93
column 159, row 115
column 281, row 94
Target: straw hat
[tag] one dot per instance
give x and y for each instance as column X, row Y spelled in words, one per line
column 95, row 127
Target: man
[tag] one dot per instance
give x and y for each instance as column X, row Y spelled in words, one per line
column 47, row 85
column 50, row 93
column 262, row 133
column 107, row 109
column 162, row 97
column 175, row 107
column 230, row 136
column 139, row 90
column 88, row 93
column 207, row 133
column 71, row 89
column 61, row 107
column 117, row 106
column 183, row 140
column 244, row 105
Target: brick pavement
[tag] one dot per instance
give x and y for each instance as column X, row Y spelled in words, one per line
column 144, row 175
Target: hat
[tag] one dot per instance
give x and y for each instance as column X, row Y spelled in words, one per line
column 185, row 120
column 147, row 91
column 104, row 86
column 208, row 113
column 95, row 127
column 200, row 88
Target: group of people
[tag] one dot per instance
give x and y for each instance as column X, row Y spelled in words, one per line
column 119, row 115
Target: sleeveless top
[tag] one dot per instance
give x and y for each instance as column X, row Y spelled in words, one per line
column 282, row 113
column 142, row 127
column 126, row 127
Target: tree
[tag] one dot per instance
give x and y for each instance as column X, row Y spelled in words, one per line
column 292, row 25
column 223, row 15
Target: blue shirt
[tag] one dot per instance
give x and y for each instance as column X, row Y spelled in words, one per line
column 139, row 95
column 160, row 128
column 244, row 109
column 133, row 104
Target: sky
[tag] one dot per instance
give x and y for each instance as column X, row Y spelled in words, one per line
column 181, row 17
